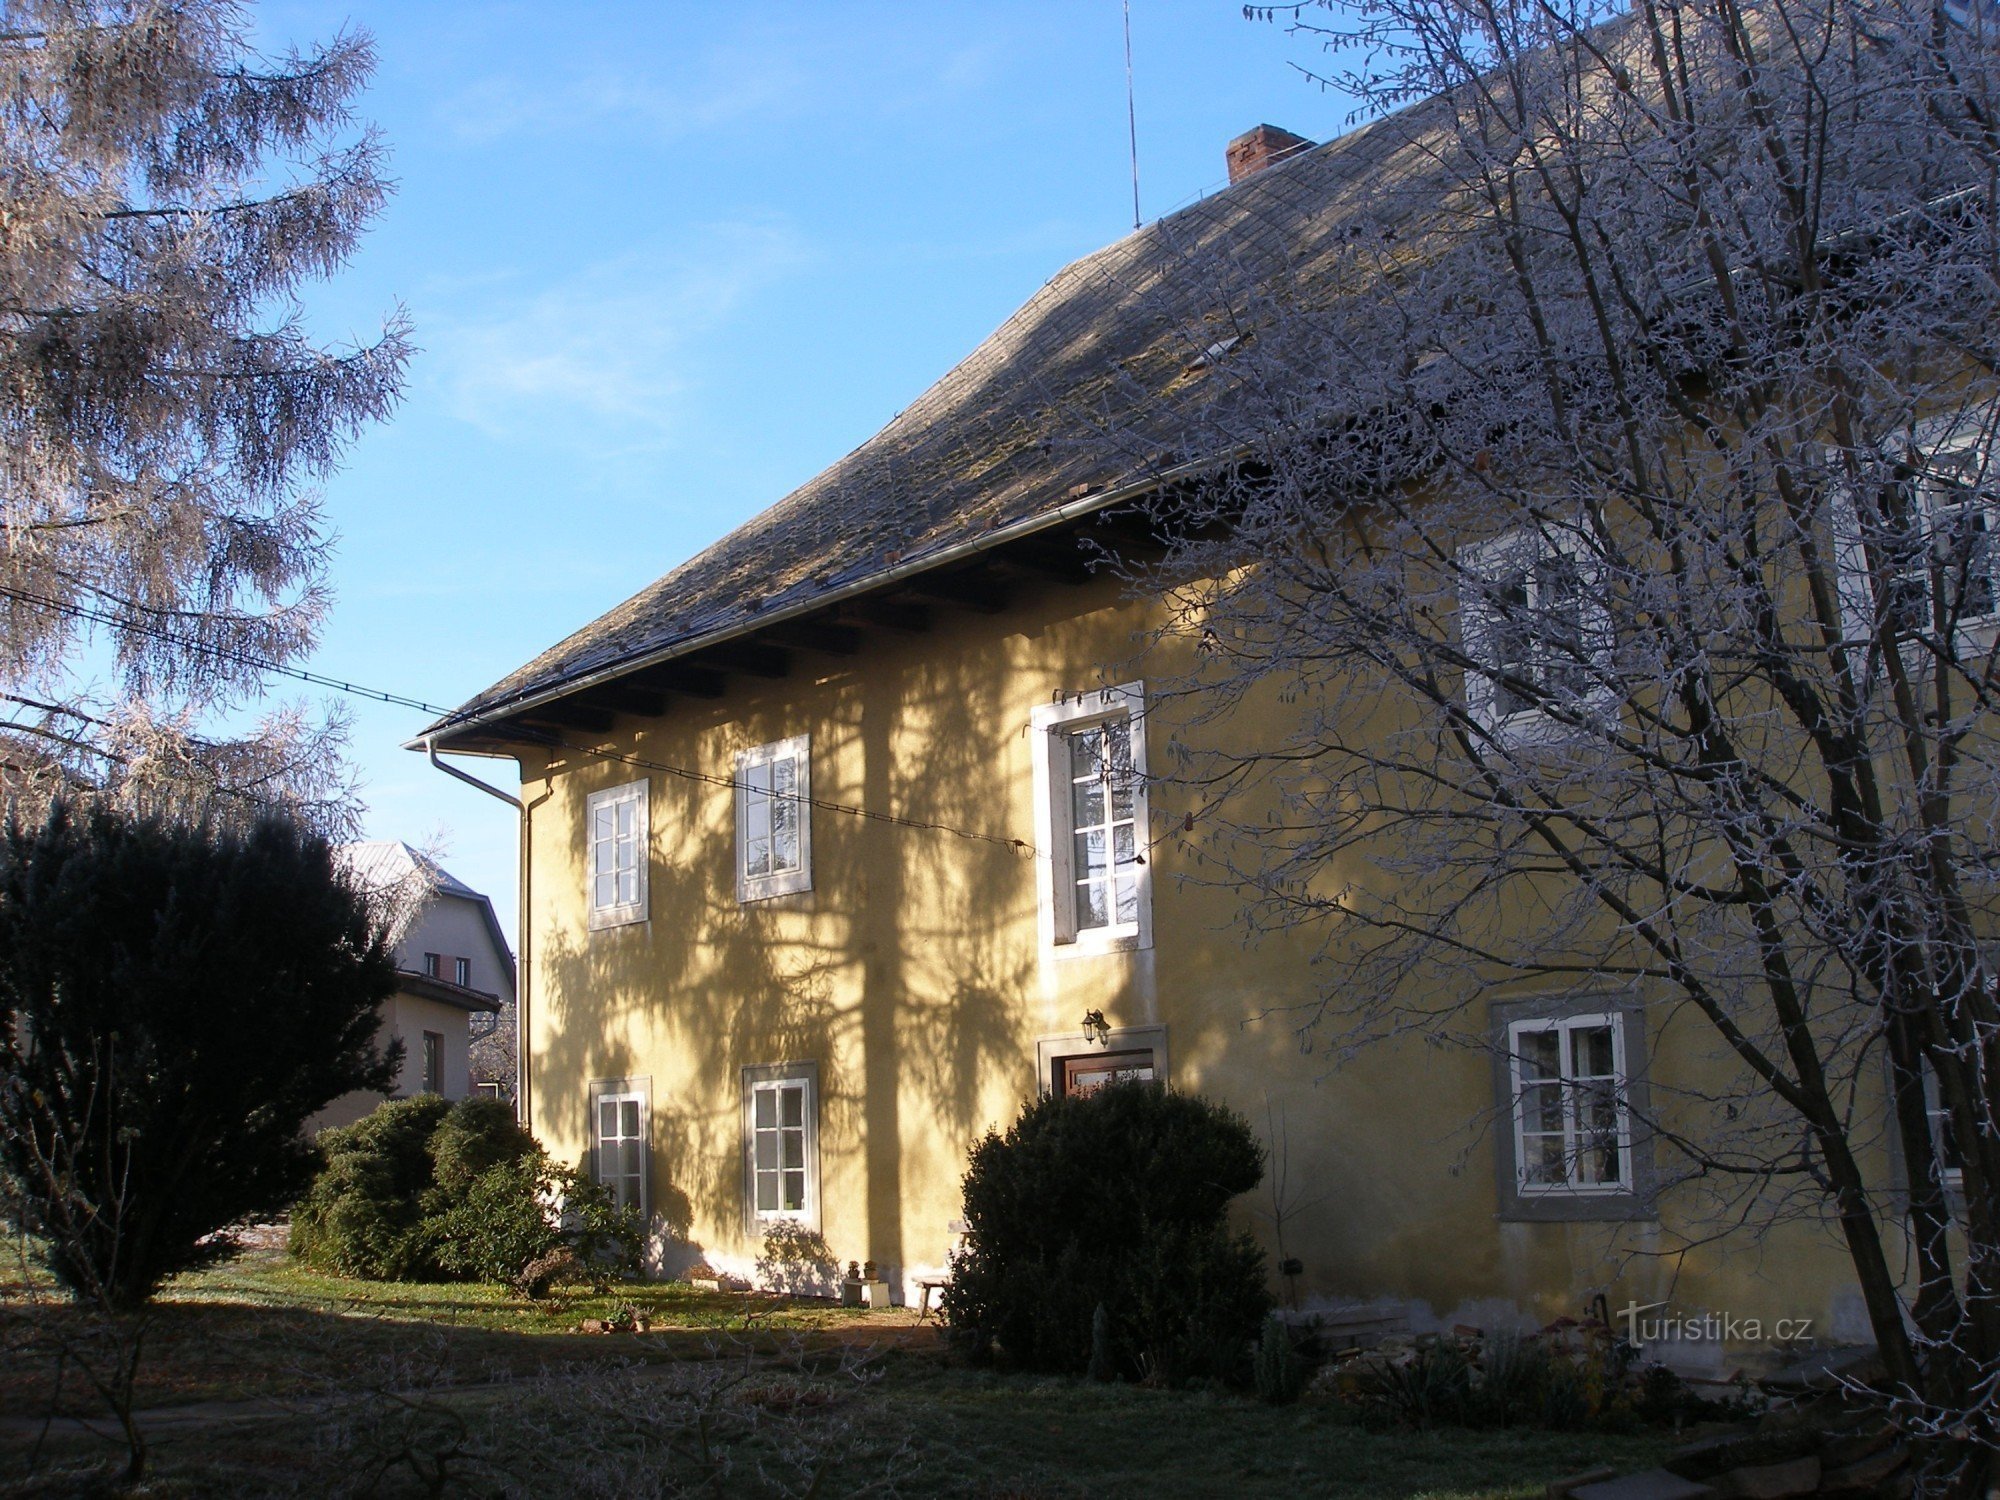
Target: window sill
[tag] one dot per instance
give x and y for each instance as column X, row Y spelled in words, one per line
column 617, row 916
column 1096, row 944
column 748, row 892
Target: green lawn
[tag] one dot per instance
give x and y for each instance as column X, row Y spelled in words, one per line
column 395, row 1389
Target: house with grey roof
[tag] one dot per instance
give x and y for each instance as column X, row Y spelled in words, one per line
column 454, row 975
column 842, row 839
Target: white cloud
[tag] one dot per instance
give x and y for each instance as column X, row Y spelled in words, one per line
column 608, row 357
column 722, row 92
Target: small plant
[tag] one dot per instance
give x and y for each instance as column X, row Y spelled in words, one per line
column 1430, row 1387
column 797, row 1261
column 1280, row 1371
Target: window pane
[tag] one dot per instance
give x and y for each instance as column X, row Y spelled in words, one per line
column 1541, row 1107
column 1118, row 748
column 628, row 818
column 1087, row 803
column 607, row 1120
column 604, row 891
column 784, row 816
column 1090, row 853
column 767, row 1192
column 766, row 1104
column 628, row 1117
column 1597, row 1159
column 1086, row 749
column 794, row 1106
column 1593, row 1052
column 795, row 1191
column 767, row 1150
column 1128, row 898
column 1542, row 1160
column 794, row 1142
column 629, row 1160
column 1093, row 907
column 1540, row 1053
column 1124, row 843
column 1123, row 794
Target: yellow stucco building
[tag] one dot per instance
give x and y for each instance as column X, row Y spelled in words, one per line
column 838, row 842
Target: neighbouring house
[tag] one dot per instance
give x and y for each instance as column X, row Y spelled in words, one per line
column 839, row 843
column 454, row 976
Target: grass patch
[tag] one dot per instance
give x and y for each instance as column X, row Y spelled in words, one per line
column 729, row 1395
column 264, row 1326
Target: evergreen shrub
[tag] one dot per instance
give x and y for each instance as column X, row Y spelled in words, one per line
column 1117, row 1199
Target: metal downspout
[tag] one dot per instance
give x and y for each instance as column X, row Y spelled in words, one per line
column 521, row 966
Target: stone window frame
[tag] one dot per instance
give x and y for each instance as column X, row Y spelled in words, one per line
column 1557, row 1205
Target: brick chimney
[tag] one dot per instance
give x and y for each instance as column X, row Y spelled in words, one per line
column 1266, row 146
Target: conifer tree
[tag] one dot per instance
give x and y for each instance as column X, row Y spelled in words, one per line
column 176, row 1000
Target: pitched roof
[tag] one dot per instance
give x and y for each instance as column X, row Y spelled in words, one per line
column 378, row 864
column 1090, row 384
column 407, row 880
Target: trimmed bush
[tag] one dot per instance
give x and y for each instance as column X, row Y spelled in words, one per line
column 528, row 1224
column 422, row 1190
column 1116, row 1198
column 478, row 1135
column 366, row 1213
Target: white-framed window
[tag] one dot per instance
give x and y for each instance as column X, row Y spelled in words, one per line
column 1572, row 1123
column 434, row 965
column 617, row 824
column 1536, row 635
column 461, row 973
column 773, row 819
column 1091, row 818
column 781, row 1143
column 1932, row 529
column 618, row 1142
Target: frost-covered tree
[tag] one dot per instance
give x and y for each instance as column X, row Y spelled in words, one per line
column 164, row 194
column 1617, row 508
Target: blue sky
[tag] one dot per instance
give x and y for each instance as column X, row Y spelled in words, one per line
column 668, row 261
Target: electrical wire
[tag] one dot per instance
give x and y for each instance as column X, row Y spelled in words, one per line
column 545, row 739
